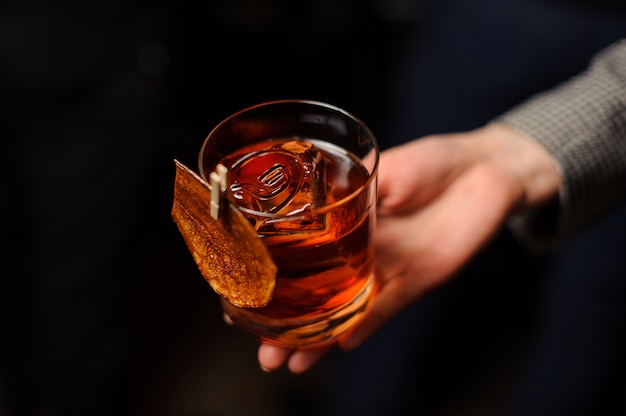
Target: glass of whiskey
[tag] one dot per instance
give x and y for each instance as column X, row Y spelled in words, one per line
column 303, row 173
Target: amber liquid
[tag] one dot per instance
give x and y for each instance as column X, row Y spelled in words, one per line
column 324, row 256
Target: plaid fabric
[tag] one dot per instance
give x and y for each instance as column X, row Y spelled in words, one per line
column 582, row 123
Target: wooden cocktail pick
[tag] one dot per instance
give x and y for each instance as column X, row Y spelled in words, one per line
column 230, row 255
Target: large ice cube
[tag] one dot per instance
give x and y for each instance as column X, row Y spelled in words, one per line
column 288, row 179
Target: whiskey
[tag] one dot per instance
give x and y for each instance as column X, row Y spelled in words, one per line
column 312, row 204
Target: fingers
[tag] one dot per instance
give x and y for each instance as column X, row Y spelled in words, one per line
column 227, row 319
column 303, row 359
column 272, row 358
column 298, row 361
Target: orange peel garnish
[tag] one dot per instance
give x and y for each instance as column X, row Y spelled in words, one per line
column 230, row 255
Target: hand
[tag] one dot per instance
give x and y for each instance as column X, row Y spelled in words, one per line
column 441, row 199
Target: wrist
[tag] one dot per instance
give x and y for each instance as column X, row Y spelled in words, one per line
column 527, row 163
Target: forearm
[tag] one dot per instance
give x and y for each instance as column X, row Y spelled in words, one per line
column 582, row 124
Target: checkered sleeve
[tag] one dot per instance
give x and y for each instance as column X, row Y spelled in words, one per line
column 582, row 123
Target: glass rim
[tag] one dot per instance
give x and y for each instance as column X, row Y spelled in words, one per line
column 315, row 211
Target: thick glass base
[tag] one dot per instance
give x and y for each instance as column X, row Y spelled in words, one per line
column 298, row 332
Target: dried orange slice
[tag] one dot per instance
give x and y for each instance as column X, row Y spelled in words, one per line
column 230, row 255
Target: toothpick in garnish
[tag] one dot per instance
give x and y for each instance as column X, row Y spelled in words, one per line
column 218, row 185
column 216, row 194
column 222, row 171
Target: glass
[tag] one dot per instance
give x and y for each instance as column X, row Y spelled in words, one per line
column 304, row 174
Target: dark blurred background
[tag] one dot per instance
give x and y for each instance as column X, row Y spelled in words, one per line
column 234, row 54
column 102, row 308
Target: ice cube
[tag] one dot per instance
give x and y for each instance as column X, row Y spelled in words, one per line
column 288, row 179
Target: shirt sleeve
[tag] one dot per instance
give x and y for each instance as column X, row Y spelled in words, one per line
column 582, row 123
